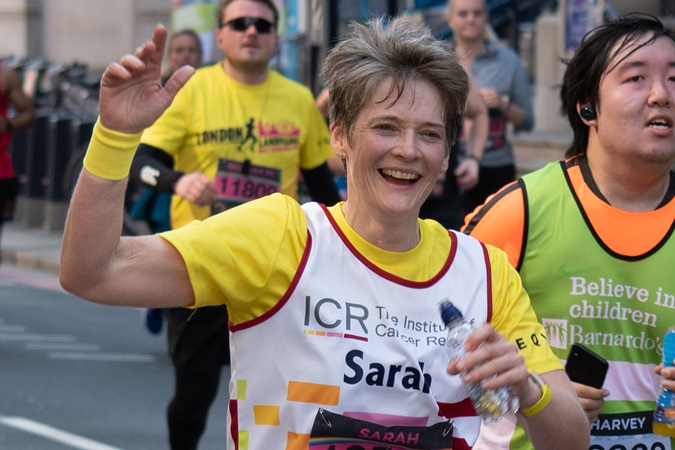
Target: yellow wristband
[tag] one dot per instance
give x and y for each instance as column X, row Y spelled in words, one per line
column 110, row 153
column 543, row 402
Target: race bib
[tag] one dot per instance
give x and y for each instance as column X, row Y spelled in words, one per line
column 337, row 432
column 497, row 134
column 626, row 431
column 240, row 182
column 639, row 442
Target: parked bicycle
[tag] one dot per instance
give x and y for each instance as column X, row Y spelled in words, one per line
column 71, row 91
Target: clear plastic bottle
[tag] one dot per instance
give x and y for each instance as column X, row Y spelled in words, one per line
column 664, row 413
column 491, row 405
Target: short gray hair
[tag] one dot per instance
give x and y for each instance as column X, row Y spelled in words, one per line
column 403, row 51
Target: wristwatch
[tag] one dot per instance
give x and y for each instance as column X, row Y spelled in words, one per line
column 543, row 401
column 506, row 101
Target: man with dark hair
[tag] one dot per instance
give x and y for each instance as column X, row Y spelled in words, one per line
column 592, row 235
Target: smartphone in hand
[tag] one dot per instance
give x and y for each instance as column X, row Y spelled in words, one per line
column 586, row 367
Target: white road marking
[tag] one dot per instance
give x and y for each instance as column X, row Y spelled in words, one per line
column 63, row 346
column 54, row 434
column 37, row 337
column 12, row 328
column 114, row 357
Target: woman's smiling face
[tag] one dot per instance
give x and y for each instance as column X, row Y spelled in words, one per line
column 397, row 149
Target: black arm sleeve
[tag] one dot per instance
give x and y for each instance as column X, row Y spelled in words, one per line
column 153, row 167
column 320, row 185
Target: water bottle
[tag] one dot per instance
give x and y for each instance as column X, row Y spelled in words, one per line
column 491, row 405
column 664, row 413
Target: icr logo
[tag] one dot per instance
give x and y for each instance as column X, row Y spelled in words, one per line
column 330, row 314
column 556, row 332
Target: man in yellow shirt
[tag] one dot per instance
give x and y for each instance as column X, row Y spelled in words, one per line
column 237, row 131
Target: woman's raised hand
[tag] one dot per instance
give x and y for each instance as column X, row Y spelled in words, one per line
column 132, row 96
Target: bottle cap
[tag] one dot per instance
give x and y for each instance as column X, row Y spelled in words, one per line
column 669, row 348
column 450, row 313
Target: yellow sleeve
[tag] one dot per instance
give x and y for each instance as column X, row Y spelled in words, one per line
column 244, row 257
column 169, row 130
column 514, row 317
column 317, row 148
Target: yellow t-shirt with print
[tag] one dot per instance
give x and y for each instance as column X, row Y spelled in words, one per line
column 274, row 127
column 246, row 258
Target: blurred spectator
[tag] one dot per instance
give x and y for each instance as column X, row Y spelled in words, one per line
column 504, row 85
column 184, row 48
column 16, row 111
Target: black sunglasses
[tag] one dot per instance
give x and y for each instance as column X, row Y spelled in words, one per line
column 262, row 26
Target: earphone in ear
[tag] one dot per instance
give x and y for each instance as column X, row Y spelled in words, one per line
column 587, row 112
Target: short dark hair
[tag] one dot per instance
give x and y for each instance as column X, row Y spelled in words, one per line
column 269, row 3
column 597, row 56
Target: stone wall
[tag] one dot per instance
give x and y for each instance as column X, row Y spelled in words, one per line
column 95, row 32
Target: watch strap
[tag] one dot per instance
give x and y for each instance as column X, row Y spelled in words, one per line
column 543, row 401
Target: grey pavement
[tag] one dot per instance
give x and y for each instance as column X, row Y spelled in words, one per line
column 30, row 247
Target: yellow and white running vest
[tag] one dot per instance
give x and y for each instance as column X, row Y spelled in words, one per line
column 373, row 350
